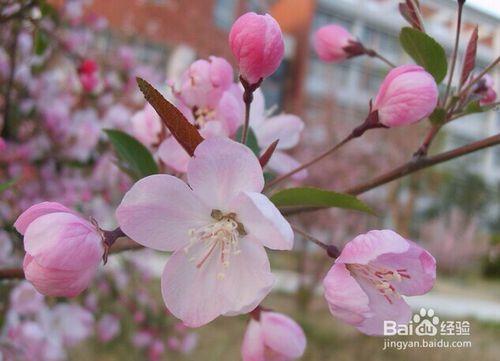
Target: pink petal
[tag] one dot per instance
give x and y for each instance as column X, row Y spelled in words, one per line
column 345, row 297
column 63, row 241
column 197, row 295
column 282, row 163
column 367, row 247
column 418, row 264
column 173, row 155
column 158, row 212
column 253, row 348
column 283, row 335
column 221, row 169
column 257, row 108
column 36, row 211
column 396, row 310
column 55, row 282
column 263, row 220
column 285, row 127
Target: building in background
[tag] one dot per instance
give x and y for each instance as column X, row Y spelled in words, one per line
column 174, row 32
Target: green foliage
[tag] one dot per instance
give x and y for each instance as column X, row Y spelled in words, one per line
column 40, row 42
column 315, row 197
column 251, row 140
column 426, row 52
column 134, row 158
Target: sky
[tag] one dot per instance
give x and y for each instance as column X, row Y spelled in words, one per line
column 491, row 6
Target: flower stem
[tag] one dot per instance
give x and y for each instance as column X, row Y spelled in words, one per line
column 377, row 55
column 370, row 122
column 455, row 51
column 247, row 99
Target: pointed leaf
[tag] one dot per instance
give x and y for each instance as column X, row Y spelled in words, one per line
column 426, row 52
column 410, row 11
column 183, row 131
column 316, row 197
column 264, row 158
column 251, row 140
column 135, row 158
column 470, row 57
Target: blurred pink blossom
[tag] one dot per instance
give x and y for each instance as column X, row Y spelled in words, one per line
column 329, row 42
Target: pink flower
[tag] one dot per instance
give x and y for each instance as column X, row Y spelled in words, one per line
column 329, row 42
column 25, row 300
column 283, row 127
column 486, row 91
column 156, row 350
column 72, row 322
column 63, row 249
column 88, row 75
column 217, row 228
column 204, row 82
column 273, row 337
column 407, row 94
column 108, row 327
column 364, row 286
column 257, row 43
column 147, row 126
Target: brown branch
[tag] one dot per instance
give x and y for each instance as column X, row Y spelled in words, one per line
column 409, row 168
column 421, row 163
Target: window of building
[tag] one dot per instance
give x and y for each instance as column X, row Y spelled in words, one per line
column 224, row 13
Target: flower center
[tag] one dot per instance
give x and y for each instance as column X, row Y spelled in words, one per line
column 380, row 277
column 202, row 116
column 219, row 237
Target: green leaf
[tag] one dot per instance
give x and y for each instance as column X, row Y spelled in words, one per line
column 41, row 42
column 251, row 140
column 426, row 52
column 7, row 185
column 134, row 157
column 316, row 197
column 438, row 115
column 473, row 107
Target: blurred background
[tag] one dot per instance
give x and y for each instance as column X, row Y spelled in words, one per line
column 453, row 209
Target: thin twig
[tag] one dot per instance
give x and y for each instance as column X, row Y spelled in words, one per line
column 309, row 237
column 455, row 51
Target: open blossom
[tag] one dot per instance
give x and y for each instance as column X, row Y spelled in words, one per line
column 283, row 127
column 364, row 286
column 257, row 44
column 108, row 327
column 273, row 337
column 217, row 228
column 329, row 42
column 25, row 299
column 63, row 249
column 71, row 321
column 407, row 94
column 147, row 125
column 215, row 111
column 204, row 82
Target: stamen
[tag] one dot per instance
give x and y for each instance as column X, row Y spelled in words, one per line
column 220, row 236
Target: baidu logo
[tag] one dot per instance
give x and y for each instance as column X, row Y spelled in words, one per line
column 424, row 323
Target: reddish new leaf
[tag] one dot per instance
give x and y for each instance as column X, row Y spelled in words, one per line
column 410, row 11
column 264, row 158
column 183, row 131
column 470, row 57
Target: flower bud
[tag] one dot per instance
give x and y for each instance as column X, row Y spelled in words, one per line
column 330, row 42
column 63, row 249
column 484, row 89
column 407, row 94
column 257, row 43
column 273, row 337
column 204, row 82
